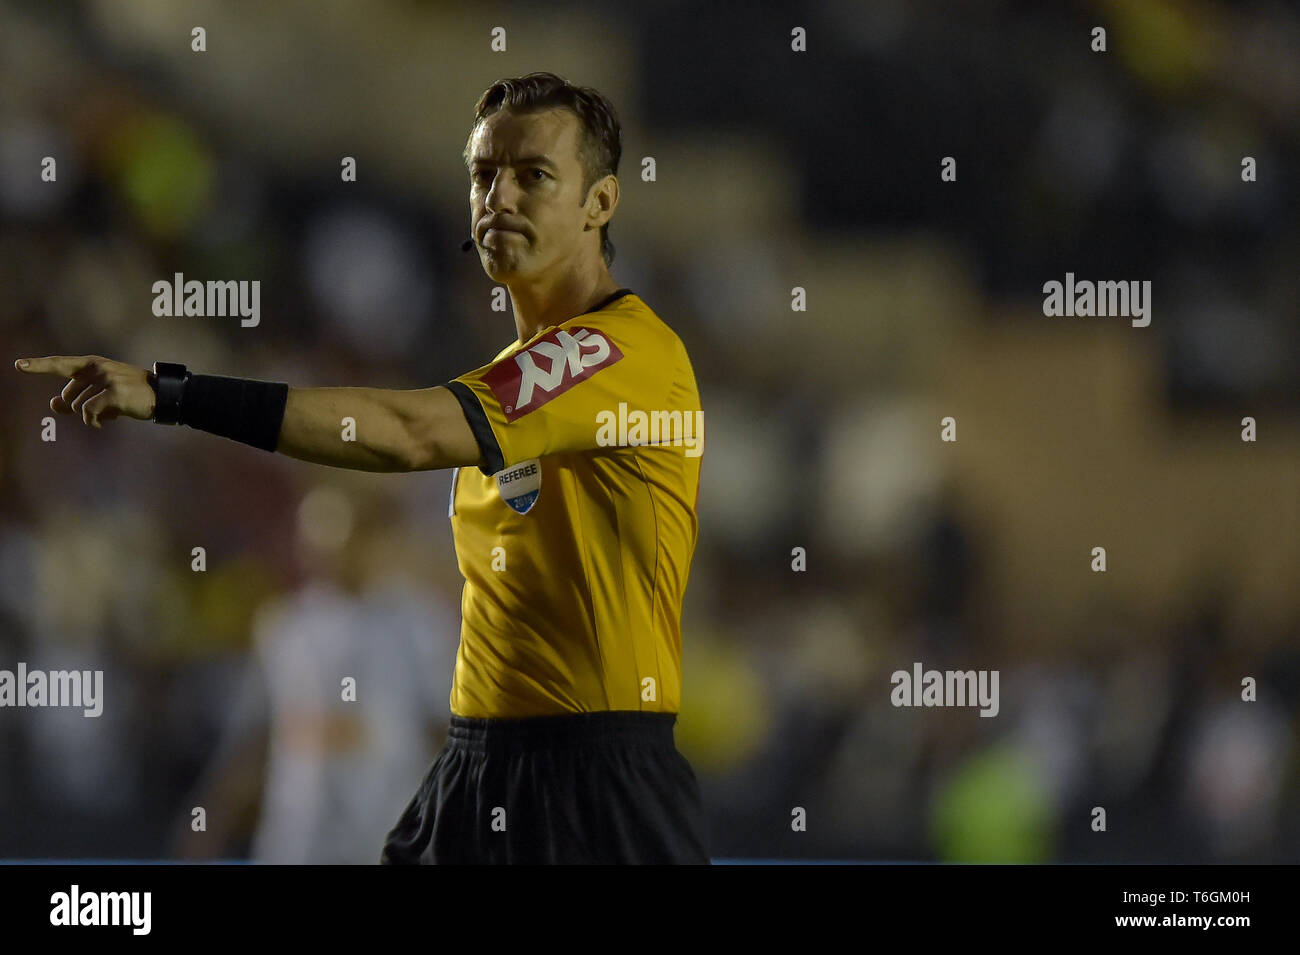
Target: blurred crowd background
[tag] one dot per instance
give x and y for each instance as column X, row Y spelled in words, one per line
column 775, row 169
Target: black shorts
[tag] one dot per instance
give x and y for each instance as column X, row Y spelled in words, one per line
column 603, row 787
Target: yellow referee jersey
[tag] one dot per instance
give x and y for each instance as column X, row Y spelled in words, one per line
column 576, row 537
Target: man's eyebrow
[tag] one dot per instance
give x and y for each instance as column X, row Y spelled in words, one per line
column 522, row 161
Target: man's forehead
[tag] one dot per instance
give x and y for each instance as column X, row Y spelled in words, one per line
column 506, row 136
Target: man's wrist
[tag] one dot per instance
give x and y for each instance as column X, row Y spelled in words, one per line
column 237, row 408
column 168, row 381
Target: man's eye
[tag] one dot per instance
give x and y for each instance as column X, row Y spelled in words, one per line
column 478, row 176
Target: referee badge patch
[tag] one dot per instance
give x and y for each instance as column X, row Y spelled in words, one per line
column 520, row 484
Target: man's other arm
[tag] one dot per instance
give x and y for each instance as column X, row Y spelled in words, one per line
column 419, row 430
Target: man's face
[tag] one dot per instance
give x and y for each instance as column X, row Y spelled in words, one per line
column 525, row 176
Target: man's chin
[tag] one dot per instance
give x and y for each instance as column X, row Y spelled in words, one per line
column 500, row 268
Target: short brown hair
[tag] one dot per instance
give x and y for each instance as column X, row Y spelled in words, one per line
column 600, row 140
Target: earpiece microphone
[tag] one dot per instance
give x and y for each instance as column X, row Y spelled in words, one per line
column 467, row 245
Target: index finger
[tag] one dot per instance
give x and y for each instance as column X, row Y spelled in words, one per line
column 64, row 365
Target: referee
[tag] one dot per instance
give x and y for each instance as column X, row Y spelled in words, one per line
column 575, row 538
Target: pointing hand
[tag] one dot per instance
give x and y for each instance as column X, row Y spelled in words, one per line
column 99, row 388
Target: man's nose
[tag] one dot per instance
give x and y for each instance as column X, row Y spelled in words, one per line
column 503, row 194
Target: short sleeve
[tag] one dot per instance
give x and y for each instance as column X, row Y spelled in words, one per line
column 551, row 395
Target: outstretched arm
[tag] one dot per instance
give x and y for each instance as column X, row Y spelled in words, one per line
column 418, row 430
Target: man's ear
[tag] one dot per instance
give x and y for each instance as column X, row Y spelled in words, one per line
column 602, row 202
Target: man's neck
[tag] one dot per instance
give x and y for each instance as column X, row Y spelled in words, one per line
column 538, row 307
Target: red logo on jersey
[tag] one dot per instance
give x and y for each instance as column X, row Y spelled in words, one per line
column 548, row 368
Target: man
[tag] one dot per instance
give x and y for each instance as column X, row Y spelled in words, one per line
column 322, row 775
column 574, row 536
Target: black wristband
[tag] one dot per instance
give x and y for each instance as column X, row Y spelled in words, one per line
column 168, row 382
column 237, row 408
